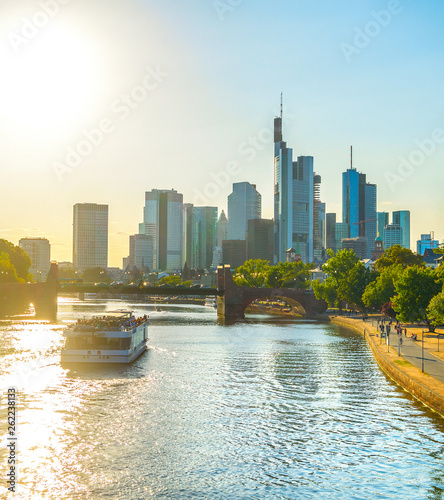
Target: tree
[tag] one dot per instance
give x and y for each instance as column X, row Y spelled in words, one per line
column 382, row 290
column 435, row 309
column 397, row 254
column 96, row 275
column 253, row 272
column 68, row 274
column 289, row 275
column 19, row 259
column 170, row 280
column 414, row 289
column 358, row 279
column 8, row 273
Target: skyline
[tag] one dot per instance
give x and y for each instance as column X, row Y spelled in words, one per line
column 204, row 81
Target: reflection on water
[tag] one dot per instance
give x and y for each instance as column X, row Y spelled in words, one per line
column 264, row 408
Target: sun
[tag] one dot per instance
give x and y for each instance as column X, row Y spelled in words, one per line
column 51, row 84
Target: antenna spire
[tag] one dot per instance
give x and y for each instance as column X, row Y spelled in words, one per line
column 351, row 157
column 281, row 106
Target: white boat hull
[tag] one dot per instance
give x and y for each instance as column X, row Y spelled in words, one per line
column 97, row 357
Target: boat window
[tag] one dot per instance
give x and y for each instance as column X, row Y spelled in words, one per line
column 125, row 343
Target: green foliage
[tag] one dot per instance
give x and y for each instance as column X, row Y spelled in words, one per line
column 169, row 280
column 253, row 272
column 398, row 255
column 96, row 275
column 435, row 309
column 382, row 290
column 187, row 283
column 68, row 274
column 19, row 259
column 347, row 279
column 289, row 275
column 414, row 289
column 8, row 273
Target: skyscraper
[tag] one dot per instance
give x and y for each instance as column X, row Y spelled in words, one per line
column 163, row 220
column 283, row 194
column 318, row 220
column 141, row 251
column 359, row 207
column 293, row 200
column 260, row 239
column 90, row 235
column 222, row 229
column 188, row 235
column 392, row 235
column 402, row 218
column 39, row 250
column 330, row 239
column 383, row 220
column 205, row 236
column 244, row 203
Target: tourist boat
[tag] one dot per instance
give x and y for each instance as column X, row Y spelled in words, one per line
column 211, row 301
column 118, row 337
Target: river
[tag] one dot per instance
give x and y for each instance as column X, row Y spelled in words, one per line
column 264, row 408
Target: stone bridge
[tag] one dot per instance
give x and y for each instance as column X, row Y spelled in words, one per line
column 234, row 301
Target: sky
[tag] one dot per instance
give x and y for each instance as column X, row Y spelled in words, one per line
column 102, row 101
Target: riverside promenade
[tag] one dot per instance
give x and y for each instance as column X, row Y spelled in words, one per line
column 404, row 369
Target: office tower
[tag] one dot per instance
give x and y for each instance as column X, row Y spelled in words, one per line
column 90, row 236
column 188, row 236
column 341, row 232
column 426, row 241
column 330, row 240
column 141, row 252
column 359, row 206
column 39, row 251
column 163, row 220
column 222, row 229
column 357, row 244
column 402, row 218
column 260, row 239
column 234, row 252
column 283, row 194
column 244, row 203
column 392, row 235
column 205, row 236
column 318, row 220
column 383, row 220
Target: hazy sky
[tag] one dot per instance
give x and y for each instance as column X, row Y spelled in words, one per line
column 104, row 100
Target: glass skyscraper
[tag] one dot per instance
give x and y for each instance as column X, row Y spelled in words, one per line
column 402, row 218
column 244, row 204
column 205, row 236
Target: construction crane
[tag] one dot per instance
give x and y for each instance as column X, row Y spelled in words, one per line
column 361, row 225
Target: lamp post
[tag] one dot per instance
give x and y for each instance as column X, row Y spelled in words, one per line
column 422, row 352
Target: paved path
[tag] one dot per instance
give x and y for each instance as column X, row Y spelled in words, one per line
column 412, row 351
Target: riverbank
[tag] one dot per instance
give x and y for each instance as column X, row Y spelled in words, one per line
column 423, row 386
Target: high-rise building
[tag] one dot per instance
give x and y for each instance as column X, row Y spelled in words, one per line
column 188, row 236
column 393, row 235
column 318, row 220
column 205, row 236
column 341, row 232
column 163, row 221
column 141, row 251
column 283, row 194
column 260, row 239
column 383, row 220
column 244, row 203
column 359, row 207
column 222, row 229
column 39, row 251
column 426, row 241
column 330, row 230
column 234, row 252
column 402, row 218
column 90, row 236
column 357, row 244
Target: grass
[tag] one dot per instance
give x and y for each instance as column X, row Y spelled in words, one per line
column 403, row 362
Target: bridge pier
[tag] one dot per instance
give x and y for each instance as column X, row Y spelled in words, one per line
column 45, row 296
column 231, row 304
